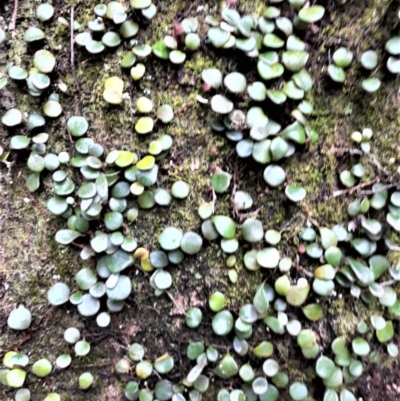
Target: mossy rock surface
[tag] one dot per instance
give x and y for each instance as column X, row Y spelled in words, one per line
column 30, row 258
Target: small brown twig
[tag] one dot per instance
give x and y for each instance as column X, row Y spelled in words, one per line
column 303, row 270
column 176, row 303
column 91, row 365
column 300, row 221
column 157, row 374
column 122, row 337
column 72, row 50
column 388, row 283
column 309, row 214
column 98, row 337
column 225, row 348
column 235, row 172
column 242, row 216
column 141, row 305
column 366, row 290
column 14, row 16
column 214, row 198
column 185, row 107
column 394, row 185
column 6, row 200
column 236, row 212
column 71, row 142
column 187, row 12
column 356, row 188
column 371, row 156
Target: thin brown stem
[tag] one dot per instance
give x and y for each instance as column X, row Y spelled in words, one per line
column 185, row 106
column 235, row 211
column 141, row 305
column 303, row 270
column 91, row 365
column 309, row 214
column 181, row 310
column 300, row 221
column 6, row 202
column 388, row 283
column 187, row 12
column 223, row 347
column 214, row 198
column 356, row 188
column 13, row 23
column 254, row 213
column 72, row 57
column 394, row 185
column 371, row 156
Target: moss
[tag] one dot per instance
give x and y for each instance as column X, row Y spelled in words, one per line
column 255, row 8
column 199, row 62
column 33, row 258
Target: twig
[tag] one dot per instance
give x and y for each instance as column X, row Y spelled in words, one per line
column 116, row 321
column 14, row 16
column 366, row 290
column 187, row 12
column 140, row 305
column 235, row 211
column 71, row 142
column 185, row 106
column 388, row 186
column 175, row 303
column 98, row 337
column 388, row 283
column 254, row 213
column 287, row 225
column 303, row 270
column 91, row 365
column 214, row 199
column 309, row 214
column 357, row 187
column 223, row 347
column 72, row 50
column 371, row 156
column 21, row 342
column 157, row 374
column 71, row 22
column 6, row 202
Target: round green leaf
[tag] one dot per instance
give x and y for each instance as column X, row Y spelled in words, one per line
column 274, row 175
column 224, row 225
column 77, row 126
column 19, row 319
column 170, row 239
column 295, row 193
column 311, row 14
column 191, row 243
column 298, row 391
column 58, row 294
column 360, row 346
column 222, row 323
